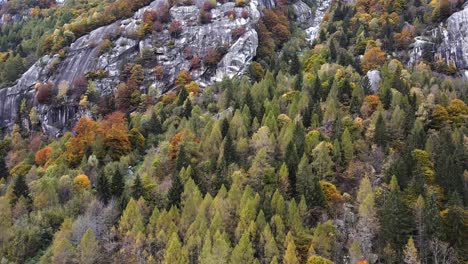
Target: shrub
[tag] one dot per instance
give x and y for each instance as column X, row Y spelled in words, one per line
column 163, row 15
column 245, row 14
column 188, row 53
column 209, row 4
column 238, row 32
column 183, row 79
column 105, row 46
column 205, row 17
column 45, row 93
column 150, row 16
column 212, row 57
column 240, row 3
column 175, row 28
column 168, row 98
column 231, row 14
column 195, row 63
column 157, row 26
column 159, row 72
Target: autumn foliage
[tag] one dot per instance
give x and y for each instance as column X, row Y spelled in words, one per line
column 42, row 156
column 112, row 131
column 82, row 182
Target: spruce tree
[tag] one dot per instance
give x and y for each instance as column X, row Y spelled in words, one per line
column 20, row 188
column 380, row 136
column 103, row 189
column 292, row 160
column 117, row 184
column 137, row 188
column 176, row 190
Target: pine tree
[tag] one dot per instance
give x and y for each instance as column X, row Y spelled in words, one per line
column 229, row 149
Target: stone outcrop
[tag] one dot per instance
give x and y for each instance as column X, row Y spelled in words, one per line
column 313, row 30
column 448, row 41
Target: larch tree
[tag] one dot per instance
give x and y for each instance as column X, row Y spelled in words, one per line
column 411, row 253
column 88, row 250
column 243, row 252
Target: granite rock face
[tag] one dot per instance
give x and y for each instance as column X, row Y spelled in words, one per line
column 448, row 41
column 84, row 56
column 314, row 27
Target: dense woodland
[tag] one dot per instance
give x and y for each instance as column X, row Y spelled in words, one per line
column 299, row 161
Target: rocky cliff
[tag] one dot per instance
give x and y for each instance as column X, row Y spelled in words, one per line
column 448, row 41
column 86, row 57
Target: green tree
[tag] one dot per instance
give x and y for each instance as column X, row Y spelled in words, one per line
column 243, row 252
column 290, row 255
column 117, row 184
column 380, row 135
column 20, row 188
column 411, row 253
column 347, row 145
column 132, row 219
column 103, row 188
column 137, row 188
column 88, row 250
column 175, row 253
column 394, row 217
column 176, row 190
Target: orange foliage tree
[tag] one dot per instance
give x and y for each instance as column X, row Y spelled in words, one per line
column 112, row 130
column 82, row 182
column 373, row 59
column 42, row 156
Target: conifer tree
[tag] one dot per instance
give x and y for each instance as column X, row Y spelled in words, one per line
column 175, row 253
column 380, row 136
column 88, row 249
column 290, row 255
column 292, row 160
column 20, row 188
column 176, row 190
column 347, row 146
column 132, row 219
column 137, row 188
column 411, row 253
column 103, row 188
column 243, row 252
column 117, row 184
